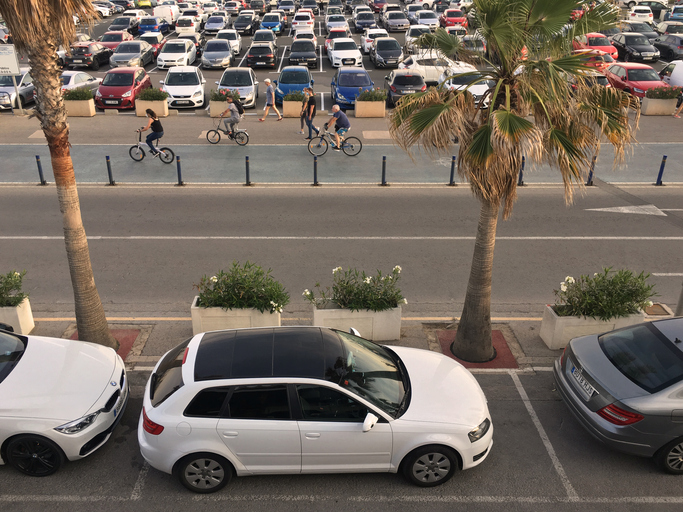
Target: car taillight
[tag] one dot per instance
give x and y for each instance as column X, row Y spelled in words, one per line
column 633, row 14
column 424, row 88
column 269, row 55
column 393, row 88
column 192, row 24
column 680, row 47
column 368, row 40
column 88, row 54
column 250, row 56
column 618, row 416
column 185, row 354
column 150, row 427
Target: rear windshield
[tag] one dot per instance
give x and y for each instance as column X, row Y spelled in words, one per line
column 596, row 80
column 215, row 19
column 80, row 50
column 644, row 355
column 184, row 22
column 388, row 45
column 408, row 80
column 260, row 50
column 354, row 79
column 236, row 79
column 294, row 77
column 227, row 35
column 302, row 17
column 169, row 375
column 118, row 79
column 11, row 349
column 149, row 21
column 427, row 15
column 271, row 18
column 150, row 38
column 674, row 29
column 112, row 38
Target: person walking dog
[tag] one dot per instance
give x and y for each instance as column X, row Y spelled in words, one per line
column 270, row 100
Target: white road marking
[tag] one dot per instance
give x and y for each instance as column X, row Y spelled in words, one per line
column 571, row 492
column 672, row 274
column 647, row 209
column 140, row 483
column 322, row 98
column 154, row 69
column 243, row 57
column 320, row 50
column 202, row 135
column 39, row 134
column 282, row 59
column 672, row 209
column 363, row 238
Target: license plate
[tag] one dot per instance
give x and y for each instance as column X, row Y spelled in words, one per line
column 260, row 63
column 111, row 102
column 78, row 60
column 585, row 386
column 183, row 102
column 391, row 61
column 122, row 401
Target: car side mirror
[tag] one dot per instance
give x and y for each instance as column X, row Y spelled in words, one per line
column 332, row 84
column 312, row 81
column 370, row 421
column 203, row 80
column 386, row 77
column 161, row 81
column 137, row 82
column 274, row 82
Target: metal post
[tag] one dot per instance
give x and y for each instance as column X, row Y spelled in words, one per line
column 315, row 171
column 247, row 183
column 111, row 178
column 589, row 182
column 679, row 307
column 451, row 183
column 661, row 173
column 384, row 171
column 40, row 171
column 520, row 182
column 16, row 91
column 180, row 174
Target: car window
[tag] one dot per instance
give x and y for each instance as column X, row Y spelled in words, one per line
column 319, row 403
column 642, row 40
column 168, row 377
column 388, row 45
column 27, row 79
column 643, row 75
column 12, row 347
column 396, row 16
column 269, row 402
column 239, row 79
column 354, row 79
column 408, row 80
column 208, row 403
column 294, row 77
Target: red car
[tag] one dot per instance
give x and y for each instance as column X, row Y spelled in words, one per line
column 120, row 87
column 114, row 38
column 452, row 17
column 634, row 78
column 376, row 5
column 595, row 41
column 597, row 59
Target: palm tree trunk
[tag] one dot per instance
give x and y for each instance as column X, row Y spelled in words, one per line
column 473, row 337
column 91, row 320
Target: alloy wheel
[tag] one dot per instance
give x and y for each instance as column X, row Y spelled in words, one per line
column 431, row 467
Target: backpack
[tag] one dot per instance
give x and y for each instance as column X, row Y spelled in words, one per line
column 240, row 107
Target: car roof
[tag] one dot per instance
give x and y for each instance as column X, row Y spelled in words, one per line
column 594, row 34
column 124, row 70
column 634, row 65
column 344, row 40
column 183, row 69
column 352, row 69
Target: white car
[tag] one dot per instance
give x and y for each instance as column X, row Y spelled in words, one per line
column 302, row 20
column 344, row 52
column 461, row 76
column 336, row 21
column 428, row 18
column 369, row 37
column 234, row 38
column 138, row 14
column 306, row 33
column 293, row 400
column 59, row 400
column 185, row 87
column 177, row 53
column 104, row 12
column 186, row 25
column 360, row 8
column 640, row 13
column 431, row 64
column 457, row 30
column 412, row 34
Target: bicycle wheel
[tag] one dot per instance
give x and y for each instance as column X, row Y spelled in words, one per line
column 166, row 155
column 352, row 146
column 317, row 146
column 136, row 153
column 242, row 138
column 213, row 136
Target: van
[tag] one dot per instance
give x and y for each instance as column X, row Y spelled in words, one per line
column 169, row 12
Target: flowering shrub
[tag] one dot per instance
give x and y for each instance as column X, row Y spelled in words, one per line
column 152, row 94
column 663, row 93
column 222, row 94
column 242, row 287
column 294, row 96
column 10, row 289
column 606, row 295
column 372, row 95
column 355, row 290
column 78, row 94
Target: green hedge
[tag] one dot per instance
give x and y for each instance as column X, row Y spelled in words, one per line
column 78, row 94
column 152, row 94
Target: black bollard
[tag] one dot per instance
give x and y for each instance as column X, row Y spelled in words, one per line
column 247, row 183
column 661, row 173
column 451, row 183
column 520, row 182
column 589, row 182
column 111, row 178
column 180, row 174
column 40, row 171
column 315, row 171
column 384, row 172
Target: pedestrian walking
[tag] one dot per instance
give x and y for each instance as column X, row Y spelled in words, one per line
column 270, row 100
column 304, row 104
column 310, row 111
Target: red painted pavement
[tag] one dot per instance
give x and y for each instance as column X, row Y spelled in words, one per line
column 504, row 357
column 125, row 337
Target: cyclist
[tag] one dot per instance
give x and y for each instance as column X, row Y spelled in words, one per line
column 341, row 126
column 157, row 130
column 234, row 118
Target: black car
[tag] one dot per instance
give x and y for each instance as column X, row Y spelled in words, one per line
column 89, row 54
column 261, row 54
column 259, row 6
column 312, row 5
column 364, row 20
column 670, row 46
column 609, row 33
column 386, row 52
column 303, row 53
column 246, row 24
column 125, row 23
column 669, row 27
column 400, row 82
column 635, row 47
column 198, row 39
column 639, row 27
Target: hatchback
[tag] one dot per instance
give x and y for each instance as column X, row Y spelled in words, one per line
column 185, row 87
column 215, row 24
column 79, row 80
column 261, row 54
column 242, row 80
column 386, row 52
column 625, row 388
column 293, row 400
column 154, row 24
column 112, row 39
column 246, row 23
column 452, row 17
column 640, row 13
column 400, row 82
column 633, row 78
column 348, row 83
column 90, row 54
column 131, row 54
column 8, row 95
column 177, row 53
column 291, row 79
column 120, row 87
column 233, row 38
column 155, row 40
column 670, row 47
column 273, row 21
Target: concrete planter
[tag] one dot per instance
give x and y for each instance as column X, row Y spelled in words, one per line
column 370, row 109
column 160, row 107
column 556, row 331
column 213, row 319
column 216, row 108
column 652, row 107
column 291, row 109
column 80, row 108
column 19, row 317
column 372, row 325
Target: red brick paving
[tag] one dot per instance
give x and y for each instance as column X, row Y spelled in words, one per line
column 125, row 337
column 503, row 359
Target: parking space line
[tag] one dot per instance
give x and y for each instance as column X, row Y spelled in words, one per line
column 571, row 492
column 282, row 59
column 140, row 483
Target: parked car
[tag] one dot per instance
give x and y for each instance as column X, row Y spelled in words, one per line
column 155, row 40
column 261, row 54
column 656, row 7
column 336, row 33
column 217, row 54
column 265, row 36
column 396, row 21
column 288, row 6
column 132, row 54
column 452, row 17
column 61, row 400
column 465, row 76
column 273, row 22
column 676, row 14
column 411, row 13
column 347, row 83
column 112, row 39
column 292, row 78
column 344, row 52
column 177, row 53
column 624, row 387
column 633, row 77
column 363, row 21
column 639, row 27
column 672, row 74
column 154, row 24
column 333, row 10
column 214, row 24
column 197, row 16
column 185, row 87
column 127, row 23
column 431, row 64
column 457, row 31
column 596, row 59
column 233, row 38
column 303, row 53
column 669, row 27
column 386, row 52
column 367, row 39
column 475, row 45
column 258, row 6
column 121, row 86
column 412, row 34
column 197, row 39
column 8, row 95
column 595, row 41
column 401, row 82
column 312, row 5
column 186, row 25
column 79, row 80
column 283, row 17
column 641, row 13
column 319, row 401
column 635, row 47
column 138, row 14
column 336, row 21
column 302, row 20
column 170, row 12
column 378, row 5
column 246, row 23
column 670, row 47
column 89, row 55
column 242, row 80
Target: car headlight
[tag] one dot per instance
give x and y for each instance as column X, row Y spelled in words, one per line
column 198, row 93
column 98, row 93
column 279, row 90
column 656, row 53
column 479, row 432
column 126, row 94
column 74, row 427
column 134, row 62
column 635, row 89
column 249, row 98
column 180, row 59
column 205, row 60
column 341, row 97
column 635, row 52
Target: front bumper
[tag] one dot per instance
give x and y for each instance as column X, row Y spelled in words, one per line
column 185, row 101
column 310, row 62
column 122, row 103
column 167, row 64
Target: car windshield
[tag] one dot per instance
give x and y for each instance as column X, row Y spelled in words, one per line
column 598, row 41
column 640, row 27
column 217, row 45
column 118, row 79
column 11, row 349
column 150, row 38
column 337, row 18
column 335, row 35
column 417, row 32
column 128, row 48
column 239, row 79
column 303, row 46
column 643, row 75
column 183, row 78
column 243, row 19
column 408, row 80
column 365, row 16
column 372, row 373
column 294, row 77
column 215, row 19
column 473, row 44
column 644, row 355
column 264, row 36
column 674, row 29
column 169, row 375
column 345, row 45
column 231, row 36
column 396, row 16
column 359, row 79
column 190, row 13
column 271, row 18
column 174, row 48
column 388, row 45
column 454, row 14
column 427, row 15
column 112, row 38
column 640, row 40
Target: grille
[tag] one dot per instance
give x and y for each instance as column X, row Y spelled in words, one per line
column 112, row 401
column 348, row 61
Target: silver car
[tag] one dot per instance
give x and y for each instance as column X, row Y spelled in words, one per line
column 131, row 54
column 626, row 388
column 396, row 21
column 79, row 79
column 26, row 88
column 217, row 54
column 242, row 80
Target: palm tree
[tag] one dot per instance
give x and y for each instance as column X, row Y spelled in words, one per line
column 39, row 27
column 529, row 110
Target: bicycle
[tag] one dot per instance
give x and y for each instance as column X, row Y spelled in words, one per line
column 318, row 145
column 214, row 136
column 137, row 152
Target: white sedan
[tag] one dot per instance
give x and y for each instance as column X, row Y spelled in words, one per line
column 344, row 52
column 297, row 400
column 463, row 76
column 233, row 37
column 431, row 64
column 59, row 400
column 177, row 53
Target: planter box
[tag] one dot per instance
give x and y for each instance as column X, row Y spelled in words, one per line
column 214, row 319
column 370, row 109
column 291, row 109
column 160, row 107
column 556, row 331
column 19, row 317
column 652, row 107
column 372, row 325
column 80, row 108
column 216, row 108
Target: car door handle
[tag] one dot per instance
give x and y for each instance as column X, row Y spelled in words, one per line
column 312, row 435
column 230, row 434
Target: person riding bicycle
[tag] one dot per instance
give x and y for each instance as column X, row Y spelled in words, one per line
column 157, row 131
column 342, row 125
column 234, row 118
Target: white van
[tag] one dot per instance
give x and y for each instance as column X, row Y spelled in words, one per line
column 672, row 74
column 170, row 13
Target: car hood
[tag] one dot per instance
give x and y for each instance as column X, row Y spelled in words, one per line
column 57, row 379
column 114, row 90
column 643, row 47
column 607, row 49
column 337, row 24
column 345, row 54
column 442, row 390
column 9, row 89
column 171, row 56
column 390, row 54
column 398, row 21
column 181, row 90
column 645, row 85
column 217, row 55
column 242, row 24
column 270, row 24
column 214, row 26
column 244, row 91
column 365, row 22
column 125, row 57
column 350, row 93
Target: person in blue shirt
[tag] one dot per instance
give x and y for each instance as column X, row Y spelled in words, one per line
column 341, row 125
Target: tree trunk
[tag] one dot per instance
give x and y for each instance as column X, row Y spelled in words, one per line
column 473, row 336
column 91, row 320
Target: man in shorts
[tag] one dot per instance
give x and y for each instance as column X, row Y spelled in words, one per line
column 341, row 126
column 270, row 100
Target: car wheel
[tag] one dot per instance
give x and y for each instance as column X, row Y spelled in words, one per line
column 34, row 455
column 429, row 466
column 669, row 55
column 95, row 64
column 670, row 457
column 204, row 472
column 631, row 5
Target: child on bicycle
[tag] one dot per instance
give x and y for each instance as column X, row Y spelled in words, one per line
column 234, row 118
column 157, row 130
column 341, row 126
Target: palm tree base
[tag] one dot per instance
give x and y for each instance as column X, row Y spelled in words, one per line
column 470, row 356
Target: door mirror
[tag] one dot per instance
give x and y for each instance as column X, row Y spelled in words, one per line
column 354, row 332
column 161, row 81
column 370, row 421
column 312, row 81
column 216, row 83
column 332, row 84
column 386, row 77
column 203, row 80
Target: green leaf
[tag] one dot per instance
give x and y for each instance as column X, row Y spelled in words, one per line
column 480, row 149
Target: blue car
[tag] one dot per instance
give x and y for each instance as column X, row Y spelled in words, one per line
column 292, row 78
column 154, row 24
column 272, row 22
column 349, row 82
column 676, row 14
